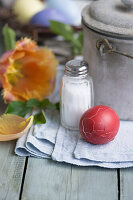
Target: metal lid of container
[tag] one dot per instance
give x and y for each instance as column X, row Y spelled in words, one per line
column 110, row 17
column 76, row 68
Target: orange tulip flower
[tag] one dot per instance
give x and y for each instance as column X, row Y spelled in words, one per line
column 27, row 72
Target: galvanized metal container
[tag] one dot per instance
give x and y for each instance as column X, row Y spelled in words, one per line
column 108, row 48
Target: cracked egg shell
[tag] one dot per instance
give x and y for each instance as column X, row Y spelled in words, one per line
column 99, row 124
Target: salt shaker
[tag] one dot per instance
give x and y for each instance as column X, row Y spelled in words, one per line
column 76, row 93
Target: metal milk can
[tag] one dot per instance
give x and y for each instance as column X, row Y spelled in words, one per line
column 108, row 48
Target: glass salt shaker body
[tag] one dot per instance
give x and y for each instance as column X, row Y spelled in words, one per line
column 76, row 93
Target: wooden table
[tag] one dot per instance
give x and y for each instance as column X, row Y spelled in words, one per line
column 42, row 179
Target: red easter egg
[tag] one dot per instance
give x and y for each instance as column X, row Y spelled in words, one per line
column 99, row 124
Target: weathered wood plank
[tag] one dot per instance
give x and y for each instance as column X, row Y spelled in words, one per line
column 94, row 183
column 48, row 180
column 45, row 180
column 11, row 171
column 126, row 184
column 11, row 168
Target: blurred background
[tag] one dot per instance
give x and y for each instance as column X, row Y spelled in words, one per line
column 31, row 18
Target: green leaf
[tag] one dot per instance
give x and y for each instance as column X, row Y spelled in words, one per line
column 67, row 32
column 34, row 103
column 76, row 51
column 44, row 103
column 80, row 37
column 77, row 47
column 9, row 37
column 51, row 106
column 77, row 44
column 57, row 106
column 47, row 104
column 62, row 29
column 18, row 108
column 40, row 118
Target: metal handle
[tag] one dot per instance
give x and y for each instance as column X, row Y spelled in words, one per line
column 104, row 46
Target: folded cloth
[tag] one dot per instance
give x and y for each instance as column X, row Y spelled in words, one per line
column 40, row 139
column 51, row 140
column 118, row 150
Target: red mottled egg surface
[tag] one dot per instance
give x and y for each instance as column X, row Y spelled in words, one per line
column 99, row 124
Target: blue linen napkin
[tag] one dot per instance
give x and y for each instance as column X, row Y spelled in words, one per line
column 55, row 142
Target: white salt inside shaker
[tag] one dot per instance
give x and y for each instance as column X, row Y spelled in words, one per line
column 76, row 93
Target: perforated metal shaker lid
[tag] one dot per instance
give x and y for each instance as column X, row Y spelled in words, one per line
column 111, row 17
column 76, row 68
